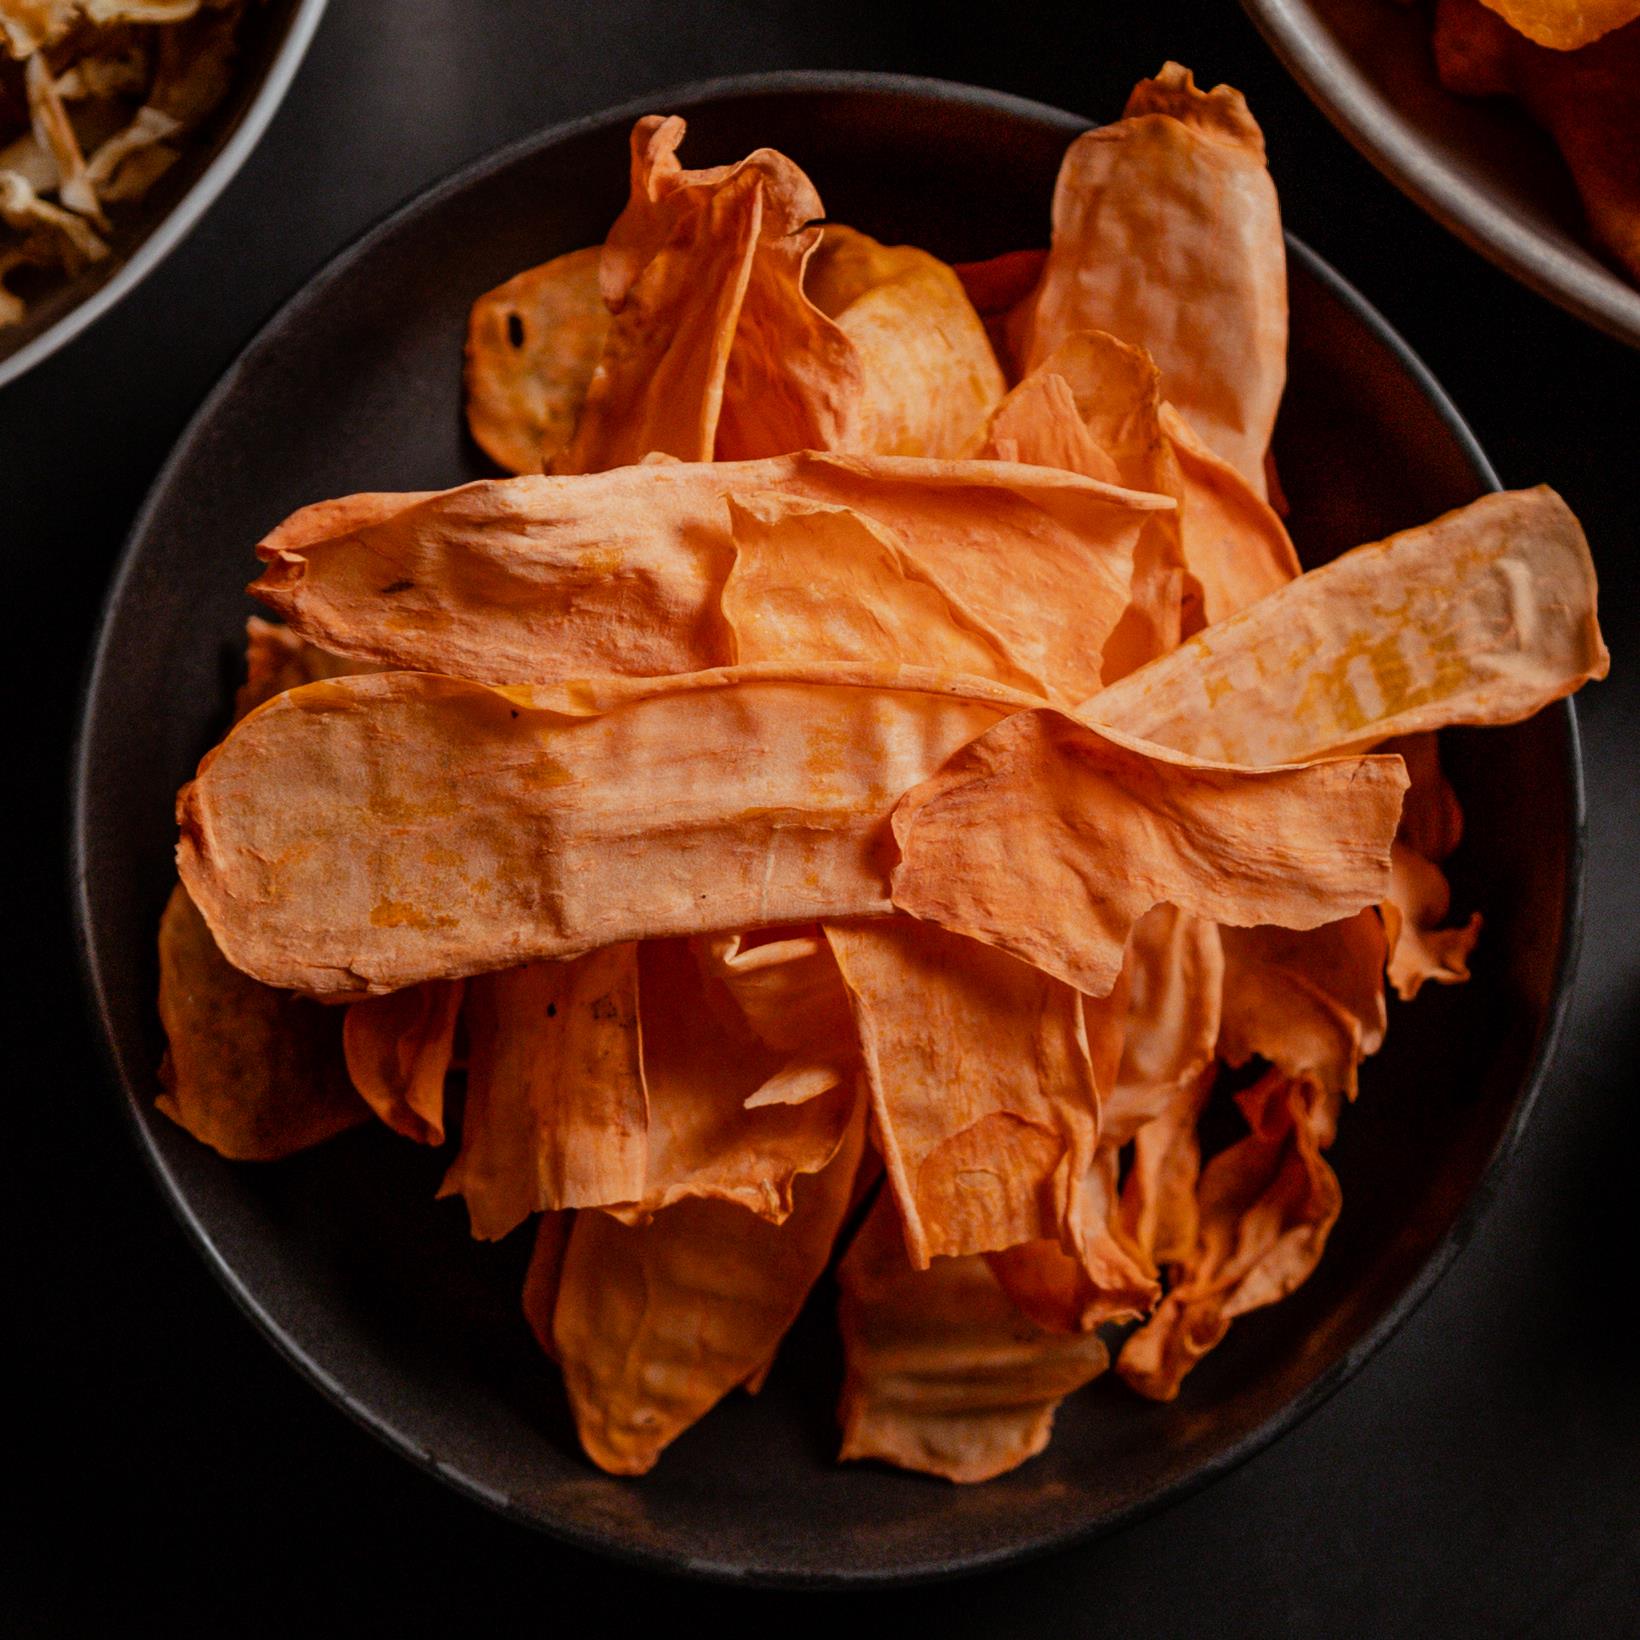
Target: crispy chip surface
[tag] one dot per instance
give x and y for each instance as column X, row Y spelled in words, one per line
column 942, row 1372
column 1167, row 234
column 1564, row 25
column 1484, row 616
column 533, row 579
column 655, row 1323
column 532, row 345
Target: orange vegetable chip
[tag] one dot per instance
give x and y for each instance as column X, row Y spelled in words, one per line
column 533, row 579
column 943, row 1373
column 254, row 1073
column 1167, row 234
column 1102, row 1279
column 1266, row 1206
column 1039, row 423
column 398, row 1050
column 532, row 345
column 1484, row 616
column 713, row 348
column 556, row 1114
column 702, row 1062
column 1050, row 841
column 789, row 992
column 1416, row 906
column 814, row 582
column 981, row 1086
column 1235, row 548
column 1564, row 25
column 1312, row 1004
column 655, row 1323
column 929, row 375
column 369, row 833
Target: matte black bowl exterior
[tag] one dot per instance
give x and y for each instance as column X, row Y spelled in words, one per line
column 1480, row 168
column 372, row 1288
column 273, row 40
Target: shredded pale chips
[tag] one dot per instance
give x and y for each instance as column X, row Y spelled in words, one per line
column 839, row 795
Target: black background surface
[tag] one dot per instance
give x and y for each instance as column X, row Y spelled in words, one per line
column 1481, row 1476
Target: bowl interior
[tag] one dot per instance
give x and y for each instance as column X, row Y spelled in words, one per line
column 342, row 1255
column 1478, row 166
column 265, row 35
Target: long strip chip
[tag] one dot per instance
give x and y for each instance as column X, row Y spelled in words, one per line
column 1484, row 616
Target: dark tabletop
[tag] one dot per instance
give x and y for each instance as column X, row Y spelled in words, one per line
column 1481, row 1475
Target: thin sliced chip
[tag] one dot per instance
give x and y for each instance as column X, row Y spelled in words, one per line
column 814, row 582
column 1564, row 25
column 1312, row 1004
column 1484, row 616
column 1418, row 902
column 943, row 1372
column 1049, row 840
column 1267, row 1206
column 1174, row 974
column 1236, row 549
column 365, row 834
column 556, row 1114
column 254, row 1073
column 532, row 579
column 54, row 131
column 1158, row 1205
column 714, row 348
column 27, row 25
column 655, row 1323
column 398, row 1051
column 789, row 991
column 129, row 163
column 532, row 345
column 277, row 659
column 702, row 1061
column 1117, row 392
column 51, row 235
column 929, row 376
column 1167, row 234
column 981, row 1086
column 1039, row 423
column 543, row 1275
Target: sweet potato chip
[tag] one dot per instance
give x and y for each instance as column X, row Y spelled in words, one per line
column 1050, row 840
column 702, row 1062
column 982, row 1092
column 532, row 345
column 254, row 1073
column 54, row 131
column 1484, row 616
column 1167, row 234
column 929, row 376
column 398, row 1051
column 714, row 348
column 655, row 1323
column 790, row 993
column 1312, row 1004
column 543, row 1275
column 533, row 579
column 1416, row 906
column 368, row 833
column 1039, row 423
column 943, row 1373
column 1174, row 973
column 1235, row 548
column 1564, row 25
column 815, row 582
column 556, row 1114
column 1267, row 1205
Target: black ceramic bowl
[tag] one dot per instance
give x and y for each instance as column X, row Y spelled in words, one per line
column 272, row 41
column 374, row 1290
column 1481, row 168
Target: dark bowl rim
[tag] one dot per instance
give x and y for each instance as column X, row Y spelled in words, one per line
column 1539, row 260
column 184, row 216
column 133, row 1103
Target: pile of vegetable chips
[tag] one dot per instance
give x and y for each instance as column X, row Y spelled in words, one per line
column 848, row 800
